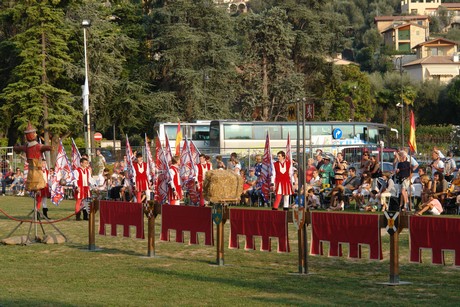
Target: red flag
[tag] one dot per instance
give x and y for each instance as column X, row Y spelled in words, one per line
column 266, row 172
column 129, row 162
column 163, row 176
column 178, row 139
column 412, row 142
column 188, row 173
column 75, row 156
column 167, row 149
column 62, row 171
column 149, row 161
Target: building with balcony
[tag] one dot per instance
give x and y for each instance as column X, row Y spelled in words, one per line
column 437, row 59
column 404, row 37
column 420, row 7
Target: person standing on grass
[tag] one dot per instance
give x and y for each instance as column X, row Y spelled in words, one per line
column 82, row 184
column 201, row 169
column 175, row 189
column 282, row 180
column 142, row 181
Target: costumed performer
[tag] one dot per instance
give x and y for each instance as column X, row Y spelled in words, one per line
column 82, row 184
column 142, row 181
column 201, row 169
column 282, row 180
column 175, row 189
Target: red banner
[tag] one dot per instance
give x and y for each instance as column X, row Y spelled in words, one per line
column 263, row 223
column 435, row 233
column 121, row 213
column 338, row 229
column 187, row 218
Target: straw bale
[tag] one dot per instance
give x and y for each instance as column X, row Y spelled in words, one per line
column 222, row 186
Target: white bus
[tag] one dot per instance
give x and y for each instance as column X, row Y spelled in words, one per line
column 197, row 131
column 227, row 136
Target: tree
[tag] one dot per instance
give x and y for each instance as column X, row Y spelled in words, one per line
column 37, row 90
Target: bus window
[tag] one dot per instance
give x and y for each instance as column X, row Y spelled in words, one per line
column 171, row 131
column 360, row 132
column 260, row 132
column 347, row 131
column 321, row 130
column 237, row 132
column 292, row 129
column 373, row 135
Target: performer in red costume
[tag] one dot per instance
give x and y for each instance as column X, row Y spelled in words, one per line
column 201, row 169
column 82, row 184
column 142, row 182
column 282, row 180
column 175, row 189
column 45, row 192
column 35, row 181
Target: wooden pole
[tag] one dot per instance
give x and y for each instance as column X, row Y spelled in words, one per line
column 300, row 243
column 220, row 243
column 394, row 258
column 151, row 237
column 92, row 225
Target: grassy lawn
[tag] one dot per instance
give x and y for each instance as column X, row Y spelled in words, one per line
column 119, row 274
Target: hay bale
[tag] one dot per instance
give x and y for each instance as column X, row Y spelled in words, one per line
column 21, row 240
column 53, row 239
column 222, row 186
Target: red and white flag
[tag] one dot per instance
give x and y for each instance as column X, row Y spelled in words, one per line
column 129, row 162
column 75, row 156
column 289, row 157
column 266, row 172
column 195, row 152
column 188, row 173
column 149, row 161
column 62, row 173
column 163, row 176
column 167, row 150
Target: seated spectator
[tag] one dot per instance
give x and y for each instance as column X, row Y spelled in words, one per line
column 249, row 183
column 219, row 163
column 312, row 200
column 373, row 202
column 310, row 169
column 337, row 200
column 387, row 190
column 432, row 205
column 7, row 179
column 363, row 190
column 438, row 186
column 352, row 182
column 18, row 183
column 315, row 181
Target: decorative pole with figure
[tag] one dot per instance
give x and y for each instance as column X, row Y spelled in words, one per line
column 33, row 149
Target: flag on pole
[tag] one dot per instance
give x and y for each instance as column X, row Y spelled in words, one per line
column 195, row 152
column 412, row 142
column 188, row 173
column 266, row 173
column 149, row 161
column 63, row 175
column 167, row 150
column 129, row 162
column 75, row 156
column 163, row 176
column 178, row 139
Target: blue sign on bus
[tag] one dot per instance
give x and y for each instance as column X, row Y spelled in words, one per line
column 337, row 133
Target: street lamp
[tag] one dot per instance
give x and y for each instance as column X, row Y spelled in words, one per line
column 401, row 104
column 86, row 115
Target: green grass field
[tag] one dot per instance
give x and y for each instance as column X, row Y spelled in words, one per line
column 119, row 274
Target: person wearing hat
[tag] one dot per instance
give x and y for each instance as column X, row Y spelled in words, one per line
column 326, row 172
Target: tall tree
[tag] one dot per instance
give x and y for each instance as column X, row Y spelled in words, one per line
column 36, row 91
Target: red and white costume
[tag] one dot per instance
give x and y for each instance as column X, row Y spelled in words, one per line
column 174, row 185
column 83, row 182
column 142, row 181
column 282, row 181
column 45, row 192
column 201, row 169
